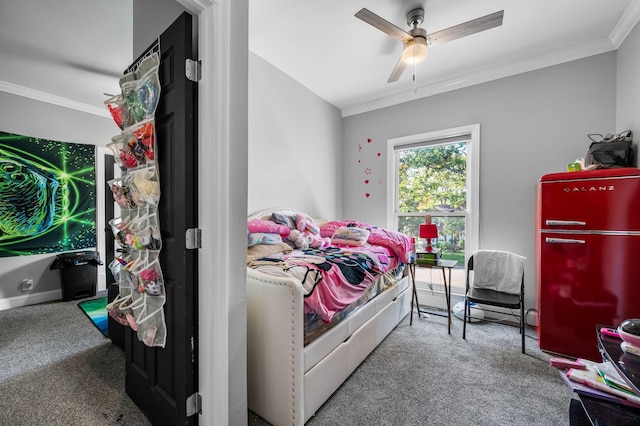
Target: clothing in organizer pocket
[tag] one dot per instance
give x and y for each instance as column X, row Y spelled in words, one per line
column 146, row 184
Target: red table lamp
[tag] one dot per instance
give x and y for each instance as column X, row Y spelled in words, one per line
column 428, row 231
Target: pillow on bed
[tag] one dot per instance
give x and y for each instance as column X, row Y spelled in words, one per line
column 264, row 250
column 283, row 219
column 256, row 238
column 350, row 236
column 329, row 228
column 267, row 227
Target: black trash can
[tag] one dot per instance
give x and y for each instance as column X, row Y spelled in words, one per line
column 78, row 273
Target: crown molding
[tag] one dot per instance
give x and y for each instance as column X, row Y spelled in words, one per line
column 624, row 26
column 483, row 76
column 197, row 6
column 37, row 95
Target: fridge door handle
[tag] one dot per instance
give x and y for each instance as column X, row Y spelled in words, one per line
column 552, row 222
column 564, row 241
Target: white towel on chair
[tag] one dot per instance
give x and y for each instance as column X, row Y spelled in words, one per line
column 498, row 270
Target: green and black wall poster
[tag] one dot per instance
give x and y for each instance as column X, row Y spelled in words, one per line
column 47, row 196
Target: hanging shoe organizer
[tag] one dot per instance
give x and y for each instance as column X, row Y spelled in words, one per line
column 142, row 295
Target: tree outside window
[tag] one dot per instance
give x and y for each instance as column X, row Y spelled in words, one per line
column 433, row 179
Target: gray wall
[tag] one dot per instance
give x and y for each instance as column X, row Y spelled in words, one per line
column 530, row 124
column 295, row 157
column 628, row 90
column 151, row 18
column 33, row 118
column 29, row 117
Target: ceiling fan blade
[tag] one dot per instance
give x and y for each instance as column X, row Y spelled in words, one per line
column 397, row 71
column 383, row 25
column 462, row 30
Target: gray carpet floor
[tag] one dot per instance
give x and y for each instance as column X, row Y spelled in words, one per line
column 56, row 368
column 420, row 375
column 432, row 378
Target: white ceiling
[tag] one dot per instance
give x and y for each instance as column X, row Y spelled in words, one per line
column 347, row 62
column 68, row 53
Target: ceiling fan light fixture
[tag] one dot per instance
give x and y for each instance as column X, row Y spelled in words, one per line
column 415, row 51
column 415, row 40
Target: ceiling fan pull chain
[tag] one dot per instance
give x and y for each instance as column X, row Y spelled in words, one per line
column 415, row 85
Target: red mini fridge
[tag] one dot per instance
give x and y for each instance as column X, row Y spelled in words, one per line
column 588, row 257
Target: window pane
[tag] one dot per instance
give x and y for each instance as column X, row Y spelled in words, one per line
column 451, row 234
column 437, row 173
column 451, row 243
column 433, row 178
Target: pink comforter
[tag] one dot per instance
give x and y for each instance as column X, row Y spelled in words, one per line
column 332, row 277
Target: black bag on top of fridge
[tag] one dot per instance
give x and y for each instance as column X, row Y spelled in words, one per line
column 610, row 151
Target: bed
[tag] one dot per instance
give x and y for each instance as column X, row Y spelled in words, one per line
column 295, row 361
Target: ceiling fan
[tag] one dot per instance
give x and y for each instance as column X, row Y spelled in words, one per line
column 416, row 40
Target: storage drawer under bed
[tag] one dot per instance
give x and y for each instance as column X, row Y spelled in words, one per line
column 324, row 378
column 323, row 345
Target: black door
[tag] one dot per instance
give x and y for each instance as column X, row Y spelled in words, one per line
column 159, row 380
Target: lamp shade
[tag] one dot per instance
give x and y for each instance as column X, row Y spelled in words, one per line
column 415, row 51
column 428, row 231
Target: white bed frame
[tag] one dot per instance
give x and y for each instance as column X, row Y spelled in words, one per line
column 288, row 382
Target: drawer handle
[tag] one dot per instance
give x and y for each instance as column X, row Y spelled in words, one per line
column 564, row 241
column 565, row 223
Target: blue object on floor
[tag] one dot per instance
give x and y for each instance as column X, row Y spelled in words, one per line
column 96, row 310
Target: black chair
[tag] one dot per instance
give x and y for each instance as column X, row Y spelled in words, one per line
column 485, row 296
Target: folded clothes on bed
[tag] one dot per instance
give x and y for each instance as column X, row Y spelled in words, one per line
column 262, row 238
column 263, row 250
column 350, row 236
column 397, row 242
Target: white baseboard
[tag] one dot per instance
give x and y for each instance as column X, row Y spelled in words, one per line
column 435, row 299
column 30, row 299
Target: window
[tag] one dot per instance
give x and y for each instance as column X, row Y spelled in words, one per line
column 437, row 173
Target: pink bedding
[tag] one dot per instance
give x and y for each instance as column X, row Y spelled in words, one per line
column 398, row 243
column 332, row 277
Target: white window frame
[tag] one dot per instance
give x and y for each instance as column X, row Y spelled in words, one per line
column 473, row 177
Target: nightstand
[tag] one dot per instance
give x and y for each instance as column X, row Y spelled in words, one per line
column 445, row 266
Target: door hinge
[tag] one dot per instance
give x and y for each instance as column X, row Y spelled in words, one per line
column 192, row 70
column 193, row 238
column 194, row 404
